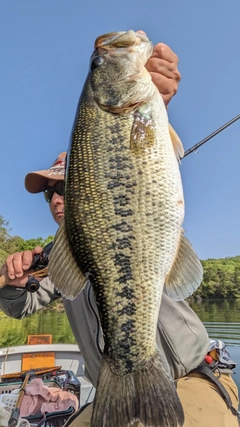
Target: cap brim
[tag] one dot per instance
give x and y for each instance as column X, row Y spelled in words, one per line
column 36, row 181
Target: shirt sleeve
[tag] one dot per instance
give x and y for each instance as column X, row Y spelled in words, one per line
column 181, row 335
column 18, row 303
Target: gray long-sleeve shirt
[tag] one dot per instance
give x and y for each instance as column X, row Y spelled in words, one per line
column 180, row 333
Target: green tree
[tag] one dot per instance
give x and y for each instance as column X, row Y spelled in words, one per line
column 236, row 282
column 32, row 243
column 8, row 243
column 3, row 256
column 221, row 278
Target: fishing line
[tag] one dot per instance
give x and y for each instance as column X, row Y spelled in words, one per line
column 196, row 146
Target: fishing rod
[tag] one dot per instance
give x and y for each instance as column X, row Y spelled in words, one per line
column 195, row 147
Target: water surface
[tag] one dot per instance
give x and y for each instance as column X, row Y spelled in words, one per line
column 221, row 319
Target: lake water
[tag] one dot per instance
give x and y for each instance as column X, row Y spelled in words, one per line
column 221, row 318
column 222, row 321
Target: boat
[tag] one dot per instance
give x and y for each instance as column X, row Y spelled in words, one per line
column 56, row 364
column 60, row 358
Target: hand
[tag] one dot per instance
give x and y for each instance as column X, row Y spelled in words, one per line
column 163, row 67
column 16, row 266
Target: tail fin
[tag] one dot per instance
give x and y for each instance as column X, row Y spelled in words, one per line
column 148, row 396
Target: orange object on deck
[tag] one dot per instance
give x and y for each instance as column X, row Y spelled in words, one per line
column 39, row 339
column 36, row 360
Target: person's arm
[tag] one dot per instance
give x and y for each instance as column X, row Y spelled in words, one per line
column 182, row 336
column 18, row 303
column 163, row 67
column 15, row 301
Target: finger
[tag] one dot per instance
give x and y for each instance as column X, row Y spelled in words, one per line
column 162, row 51
column 10, row 267
column 167, row 87
column 164, row 84
column 141, row 31
column 18, row 263
column 37, row 250
column 27, row 259
column 165, row 68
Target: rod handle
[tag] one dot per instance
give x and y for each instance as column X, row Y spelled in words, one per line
column 4, row 280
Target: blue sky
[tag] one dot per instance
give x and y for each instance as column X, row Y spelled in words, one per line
column 45, row 49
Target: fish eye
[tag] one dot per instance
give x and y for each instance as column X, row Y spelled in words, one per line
column 96, row 61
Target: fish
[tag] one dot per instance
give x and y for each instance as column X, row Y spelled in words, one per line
column 122, row 229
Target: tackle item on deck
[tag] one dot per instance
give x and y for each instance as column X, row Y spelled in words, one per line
column 56, row 393
column 40, row 399
column 7, row 403
column 15, row 414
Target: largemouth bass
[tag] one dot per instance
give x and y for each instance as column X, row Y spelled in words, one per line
column 124, row 209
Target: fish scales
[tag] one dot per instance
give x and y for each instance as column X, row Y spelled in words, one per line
column 125, row 243
column 124, row 209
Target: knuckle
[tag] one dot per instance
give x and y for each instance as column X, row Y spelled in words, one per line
column 178, row 75
column 175, row 58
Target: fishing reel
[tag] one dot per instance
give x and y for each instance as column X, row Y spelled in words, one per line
column 39, row 264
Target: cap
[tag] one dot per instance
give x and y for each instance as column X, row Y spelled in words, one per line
column 36, row 181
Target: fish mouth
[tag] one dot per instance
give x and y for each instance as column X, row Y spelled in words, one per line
column 119, row 43
column 120, row 39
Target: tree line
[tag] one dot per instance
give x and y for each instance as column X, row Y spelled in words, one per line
column 221, row 277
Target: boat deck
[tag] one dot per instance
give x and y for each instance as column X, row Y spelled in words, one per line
column 67, row 356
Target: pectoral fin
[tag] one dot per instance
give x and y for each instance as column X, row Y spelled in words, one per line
column 186, row 272
column 176, row 142
column 142, row 134
column 64, row 272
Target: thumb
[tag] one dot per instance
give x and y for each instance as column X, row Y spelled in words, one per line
column 37, row 250
column 141, row 31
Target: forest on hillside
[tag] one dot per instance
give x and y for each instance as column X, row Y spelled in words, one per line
column 221, row 278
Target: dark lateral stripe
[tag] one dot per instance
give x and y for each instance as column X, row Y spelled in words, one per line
column 129, row 309
column 123, row 212
column 122, row 226
column 124, row 242
column 126, row 293
column 124, row 262
column 122, row 200
column 125, row 278
column 114, row 184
